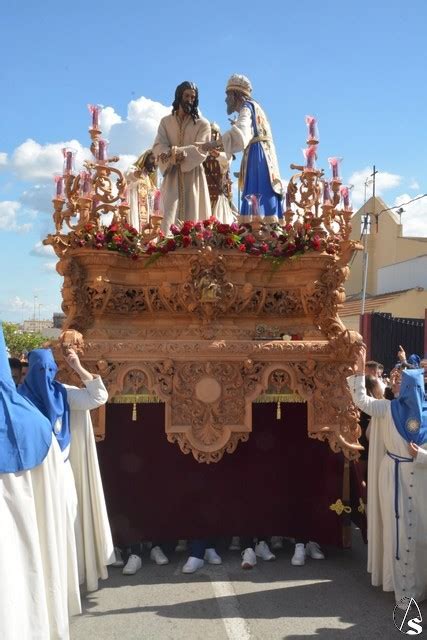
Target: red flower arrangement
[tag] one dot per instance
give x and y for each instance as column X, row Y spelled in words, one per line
column 274, row 241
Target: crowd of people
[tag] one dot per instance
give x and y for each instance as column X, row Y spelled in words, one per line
column 394, row 432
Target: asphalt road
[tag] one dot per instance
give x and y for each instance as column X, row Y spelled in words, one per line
column 324, row 599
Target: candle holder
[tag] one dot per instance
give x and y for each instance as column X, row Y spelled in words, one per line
column 155, row 222
column 84, row 209
column 58, row 218
column 124, row 210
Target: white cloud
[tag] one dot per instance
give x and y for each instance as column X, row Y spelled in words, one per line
column 16, row 304
column 42, row 250
column 126, row 160
column 108, row 119
column 136, row 134
column 32, row 161
column 39, row 197
column 3, row 159
column 384, row 182
column 10, row 215
column 49, row 266
column 414, row 217
column 414, row 184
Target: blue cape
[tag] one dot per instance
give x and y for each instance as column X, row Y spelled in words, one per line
column 409, row 410
column 49, row 396
column 25, row 434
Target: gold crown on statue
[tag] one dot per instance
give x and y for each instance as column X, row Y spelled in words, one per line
column 240, row 83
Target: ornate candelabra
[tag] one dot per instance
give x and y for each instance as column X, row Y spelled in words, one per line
column 82, row 198
column 313, row 199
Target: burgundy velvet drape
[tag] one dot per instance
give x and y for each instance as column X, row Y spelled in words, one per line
column 280, row 482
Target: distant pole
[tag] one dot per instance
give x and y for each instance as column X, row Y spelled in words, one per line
column 365, row 262
column 373, row 175
column 365, row 258
column 34, row 314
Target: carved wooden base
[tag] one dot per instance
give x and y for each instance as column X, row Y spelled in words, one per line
column 199, row 330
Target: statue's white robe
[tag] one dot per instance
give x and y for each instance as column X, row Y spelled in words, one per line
column 93, row 534
column 33, row 554
column 184, row 189
column 408, row 575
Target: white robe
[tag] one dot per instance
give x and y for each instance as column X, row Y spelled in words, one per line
column 184, row 188
column 33, row 557
column 408, row 575
column 222, row 210
column 93, row 535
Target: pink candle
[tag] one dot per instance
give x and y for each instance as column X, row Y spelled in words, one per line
column 68, row 160
column 95, row 110
column 334, row 163
column 157, row 201
column 102, row 150
column 311, row 123
column 59, row 180
column 255, row 205
column 345, row 194
column 326, row 192
column 85, row 184
column 310, row 156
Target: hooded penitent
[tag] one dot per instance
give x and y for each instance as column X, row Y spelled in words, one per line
column 409, row 410
column 25, row 434
column 49, row 396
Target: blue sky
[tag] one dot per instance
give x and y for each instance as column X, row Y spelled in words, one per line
column 360, row 67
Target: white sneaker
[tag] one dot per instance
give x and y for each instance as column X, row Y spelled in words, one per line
column 248, row 558
column 313, row 550
column 132, row 565
column 192, row 565
column 119, row 558
column 212, row 557
column 157, row 555
column 298, row 559
column 181, row 546
column 234, row 544
column 276, row 542
column 262, row 550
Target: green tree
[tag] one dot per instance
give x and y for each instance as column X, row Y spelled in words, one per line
column 19, row 342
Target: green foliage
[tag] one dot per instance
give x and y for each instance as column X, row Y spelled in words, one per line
column 19, row 342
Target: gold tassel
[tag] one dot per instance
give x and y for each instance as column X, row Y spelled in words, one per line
column 278, row 411
column 134, row 415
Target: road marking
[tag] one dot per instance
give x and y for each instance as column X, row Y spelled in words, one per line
column 236, row 627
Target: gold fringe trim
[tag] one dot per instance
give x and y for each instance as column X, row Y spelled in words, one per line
column 138, row 398
column 279, row 397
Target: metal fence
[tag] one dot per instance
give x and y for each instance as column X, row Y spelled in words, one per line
column 387, row 333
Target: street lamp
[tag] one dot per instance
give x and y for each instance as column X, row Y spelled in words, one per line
column 399, row 213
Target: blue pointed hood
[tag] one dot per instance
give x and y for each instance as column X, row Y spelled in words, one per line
column 25, row 434
column 409, row 410
column 49, row 396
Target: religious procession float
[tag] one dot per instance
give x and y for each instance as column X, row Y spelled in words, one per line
column 223, row 353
